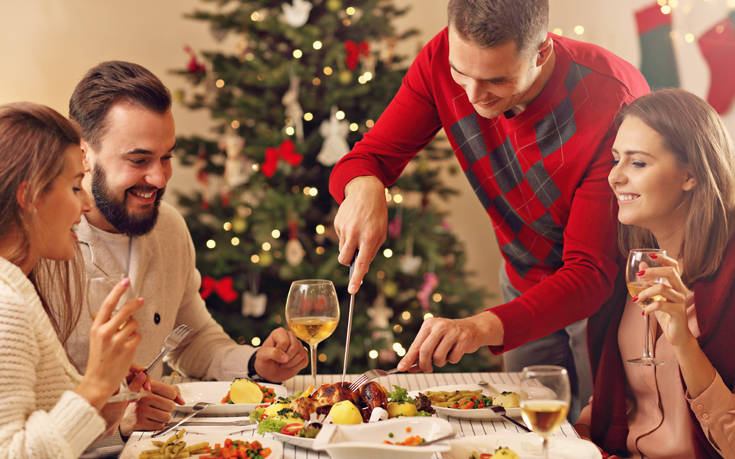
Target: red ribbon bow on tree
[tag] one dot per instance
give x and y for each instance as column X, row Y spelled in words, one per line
column 286, row 151
column 222, row 287
column 353, row 52
column 193, row 66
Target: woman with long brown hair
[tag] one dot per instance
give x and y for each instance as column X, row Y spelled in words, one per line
column 674, row 178
column 46, row 408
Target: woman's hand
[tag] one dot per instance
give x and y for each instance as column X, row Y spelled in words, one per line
column 113, row 340
column 113, row 412
column 668, row 300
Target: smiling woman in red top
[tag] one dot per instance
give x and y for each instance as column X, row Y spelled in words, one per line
column 674, row 178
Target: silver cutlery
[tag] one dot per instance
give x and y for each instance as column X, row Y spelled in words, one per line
column 375, row 373
column 493, row 391
column 349, row 318
column 170, row 343
column 438, row 439
column 213, row 423
column 194, row 411
column 499, row 410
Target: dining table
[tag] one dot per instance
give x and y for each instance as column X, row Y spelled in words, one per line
column 410, row 381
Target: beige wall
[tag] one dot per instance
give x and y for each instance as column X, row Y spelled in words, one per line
column 49, row 44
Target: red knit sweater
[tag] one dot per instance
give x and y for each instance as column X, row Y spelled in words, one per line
column 541, row 175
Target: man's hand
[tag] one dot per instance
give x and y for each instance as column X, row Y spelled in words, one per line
column 361, row 223
column 440, row 340
column 281, row 356
column 153, row 411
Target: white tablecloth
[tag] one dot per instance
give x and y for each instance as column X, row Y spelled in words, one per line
column 415, row 381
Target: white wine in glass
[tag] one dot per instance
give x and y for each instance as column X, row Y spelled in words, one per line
column 312, row 313
column 545, row 397
column 639, row 260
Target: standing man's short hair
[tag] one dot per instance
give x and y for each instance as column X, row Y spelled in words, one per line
column 108, row 83
column 490, row 23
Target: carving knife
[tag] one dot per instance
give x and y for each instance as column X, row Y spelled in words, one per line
column 349, row 319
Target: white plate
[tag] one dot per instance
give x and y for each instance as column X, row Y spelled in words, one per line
column 477, row 413
column 136, row 444
column 527, row 445
column 301, row 442
column 367, row 440
column 213, row 392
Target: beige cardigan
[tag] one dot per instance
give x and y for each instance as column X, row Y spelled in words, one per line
column 163, row 272
column 40, row 416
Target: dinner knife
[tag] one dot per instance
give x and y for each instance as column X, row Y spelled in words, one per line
column 349, row 318
column 214, row 423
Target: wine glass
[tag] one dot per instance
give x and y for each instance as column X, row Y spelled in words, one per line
column 639, row 260
column 98, row 287
column 312, row 312
column 545, row 397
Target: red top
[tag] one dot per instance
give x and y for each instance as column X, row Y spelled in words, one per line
column 715, row 317
column 541, row 175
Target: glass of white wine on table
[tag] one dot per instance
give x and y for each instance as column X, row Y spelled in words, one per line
column 545, row 397
column 312, row 313
column 639, row 260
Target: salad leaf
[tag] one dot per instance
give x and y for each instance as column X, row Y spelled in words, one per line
column 256, row 414
column 308, row 432
column 399, row 394
column 272, row 424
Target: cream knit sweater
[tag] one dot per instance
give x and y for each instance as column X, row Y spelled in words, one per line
column 40, row 415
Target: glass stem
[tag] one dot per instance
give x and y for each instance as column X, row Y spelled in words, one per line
column 546, row 447
column 312, row 348
column 647, row 344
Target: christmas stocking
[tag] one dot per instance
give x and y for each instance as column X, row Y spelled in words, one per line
column 658, row 63
column 718, row 48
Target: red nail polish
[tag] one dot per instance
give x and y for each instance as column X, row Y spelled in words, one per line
column 635, row 299
column 643, row 313
column 653, row 255
column 641, row 272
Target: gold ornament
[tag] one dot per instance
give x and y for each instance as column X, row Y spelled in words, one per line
column 334, row 5
column 239, row 225
column 390, row 289
column 266, row 259
column 345, row 77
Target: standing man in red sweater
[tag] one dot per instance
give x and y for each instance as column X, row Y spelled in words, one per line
column 530, row 116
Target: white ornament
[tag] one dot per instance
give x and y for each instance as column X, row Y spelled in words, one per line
column 380, row 314
column 294, row 251
column 408, row 263
column 294, row 112
column 238, row 168
column 297, row 14
column 335, row 144
column 253, row 305
column 368, row 64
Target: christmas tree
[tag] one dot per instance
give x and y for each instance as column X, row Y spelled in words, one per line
column 304, row 80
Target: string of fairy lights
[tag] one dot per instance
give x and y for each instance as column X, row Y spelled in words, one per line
column 264, row 257
column 238, row 224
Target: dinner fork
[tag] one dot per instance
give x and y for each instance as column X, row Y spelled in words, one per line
column 375, row 373
column 170, row 343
